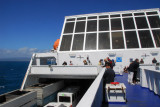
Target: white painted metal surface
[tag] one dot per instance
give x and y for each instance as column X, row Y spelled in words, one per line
column 95, row 56
column 150, row 78
column 28, row 70
column 49, row 54
column 116, row 12
column 65, row 70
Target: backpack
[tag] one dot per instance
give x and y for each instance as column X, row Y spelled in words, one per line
column 113, row 64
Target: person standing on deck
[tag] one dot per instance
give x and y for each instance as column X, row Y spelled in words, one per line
column 154, row 61
column 134, row 68
column 130, row 74
column 141, row 62
column 108, row 77
column 85, row 62
column 71, row 63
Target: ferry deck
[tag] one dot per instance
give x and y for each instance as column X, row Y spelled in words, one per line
column 136, row 95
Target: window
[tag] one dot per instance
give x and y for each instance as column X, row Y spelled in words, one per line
column 127, row 14
column 154, row 21
column 104, row 41
column 69, row 27
column 131, row 39
column 103, row 25
column 128, row 23
column 141, row 22
column 80, row 26
column 92, row 26
column 81, row 18
column 43, row 61
column 47, row 61
column 137, row 14
column 92, row 17
column 91, row 41
column 156, row 34
column 72, row 19
column 104, row 16
column 150, row 13
column 78, row 42
column 66, row 43
column 117, row 40
column 116, row 24
column 116, row 15
column 145, row 38
column 64, row 99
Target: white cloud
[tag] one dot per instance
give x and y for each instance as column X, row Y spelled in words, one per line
column 22, row 52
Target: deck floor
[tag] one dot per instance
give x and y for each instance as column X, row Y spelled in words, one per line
column 136, row 95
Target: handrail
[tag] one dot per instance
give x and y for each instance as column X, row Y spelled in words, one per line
column 151, row 70
column 64, row 65
column 150, row 79
column 88, row 98
column 28, row 70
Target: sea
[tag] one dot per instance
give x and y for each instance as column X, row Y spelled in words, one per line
column 11, row 75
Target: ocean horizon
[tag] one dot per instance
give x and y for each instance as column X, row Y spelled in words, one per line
column 12, row 74
column 16, row 59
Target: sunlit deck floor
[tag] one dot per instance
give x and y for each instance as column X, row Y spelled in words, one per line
column 136, row 95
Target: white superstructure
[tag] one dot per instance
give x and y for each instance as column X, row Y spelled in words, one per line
column 122, row 36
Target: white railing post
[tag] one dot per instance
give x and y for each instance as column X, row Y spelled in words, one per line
column 28, row 70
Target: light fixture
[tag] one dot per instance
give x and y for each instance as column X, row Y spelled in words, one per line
column 72, row 55
column 154, row 53
column 112, row 54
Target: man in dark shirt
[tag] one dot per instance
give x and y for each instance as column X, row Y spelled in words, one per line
column 134, row 68
column 109, row 74
column 108, row 77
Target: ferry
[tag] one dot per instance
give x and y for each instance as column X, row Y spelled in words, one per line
column 121, row 36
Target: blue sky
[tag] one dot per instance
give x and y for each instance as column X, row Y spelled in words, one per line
column 33, row 25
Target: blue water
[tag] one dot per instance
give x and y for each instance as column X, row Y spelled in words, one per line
column 12, row 74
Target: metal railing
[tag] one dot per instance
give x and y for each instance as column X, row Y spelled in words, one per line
column 28, row 70
column 150, row 78
column 65, row 70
